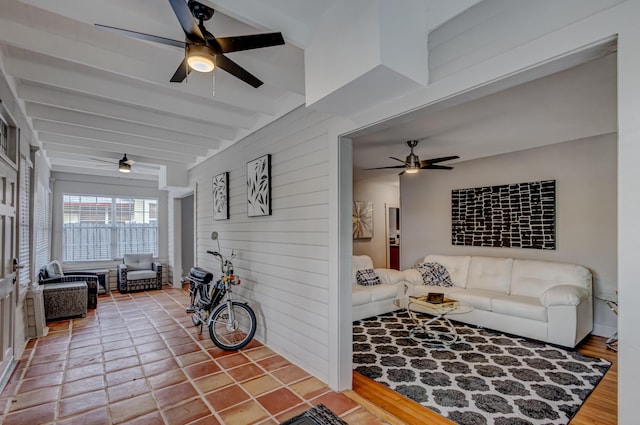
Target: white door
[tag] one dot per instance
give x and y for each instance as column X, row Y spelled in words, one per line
column 8, row 287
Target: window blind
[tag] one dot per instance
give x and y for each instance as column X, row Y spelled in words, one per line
column 42, row 226
column 24, row 219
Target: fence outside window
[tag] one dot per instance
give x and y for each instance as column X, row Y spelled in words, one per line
column 103, row 228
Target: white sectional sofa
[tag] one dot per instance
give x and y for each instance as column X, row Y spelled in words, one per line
column 543, row 300
column 376, row 299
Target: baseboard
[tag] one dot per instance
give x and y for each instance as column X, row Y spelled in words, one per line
column 603, row 330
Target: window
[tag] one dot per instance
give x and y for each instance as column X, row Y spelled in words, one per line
column 4, row 137
column 104, row 228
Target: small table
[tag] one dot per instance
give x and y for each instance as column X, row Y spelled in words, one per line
column 611, row 300
column 437, row 330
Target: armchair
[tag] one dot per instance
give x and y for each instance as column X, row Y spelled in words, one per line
column 138, row 273
column 66, row 295
column 52, row 273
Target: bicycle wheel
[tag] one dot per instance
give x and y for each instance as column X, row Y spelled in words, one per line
column 232, row 335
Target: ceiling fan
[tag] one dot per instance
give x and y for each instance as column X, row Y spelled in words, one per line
column 203, row 51
column 413, row 164
column 125, row 165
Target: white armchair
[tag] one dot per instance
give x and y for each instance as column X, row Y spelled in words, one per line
column 371, row 300
column 138, row 273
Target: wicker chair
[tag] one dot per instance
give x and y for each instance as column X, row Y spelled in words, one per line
column 52, row 273
column 138, row 273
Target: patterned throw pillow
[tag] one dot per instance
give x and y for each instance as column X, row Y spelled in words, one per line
column 434, row 274
column 367, row 277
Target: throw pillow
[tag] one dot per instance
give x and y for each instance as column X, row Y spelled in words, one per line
column 434, row 274
column 367, row 277
column 54, row 269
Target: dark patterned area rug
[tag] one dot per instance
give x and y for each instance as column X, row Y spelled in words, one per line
column 486, row 377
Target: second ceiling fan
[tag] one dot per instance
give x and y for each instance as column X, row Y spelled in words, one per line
column 203, row 51
column 413, row 164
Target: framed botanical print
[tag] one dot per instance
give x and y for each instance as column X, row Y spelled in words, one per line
column 259, row 186
column 221, row 196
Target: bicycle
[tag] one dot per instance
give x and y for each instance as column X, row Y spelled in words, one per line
column 232, row 324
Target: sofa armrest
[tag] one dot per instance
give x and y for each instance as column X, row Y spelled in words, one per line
column 564, row 295
column 413, row 276
column 389, row 275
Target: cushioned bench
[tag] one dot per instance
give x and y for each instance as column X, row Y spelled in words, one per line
column 64, row 299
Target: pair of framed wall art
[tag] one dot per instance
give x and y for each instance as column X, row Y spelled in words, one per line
column 258, row 190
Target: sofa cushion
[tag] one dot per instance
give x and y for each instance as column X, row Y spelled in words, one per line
column 138, row 261
column 360, row 295
column 141, row 274
column 492, row 274
column 532, row 277
column 519, row 306
column 434, row 274
column 477, row 298
column 383, row 292
column 367, row 277
column 456, row 265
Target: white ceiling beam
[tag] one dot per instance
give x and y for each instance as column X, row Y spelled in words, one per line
column 128, row 92
column 50, row 113
column 85, row 133
column 49, row 141
column 62, row 151
column 58, row 98
column 143, row 61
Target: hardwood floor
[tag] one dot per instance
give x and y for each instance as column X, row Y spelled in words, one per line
column 600, row 408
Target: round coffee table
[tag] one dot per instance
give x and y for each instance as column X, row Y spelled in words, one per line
column 436, row 329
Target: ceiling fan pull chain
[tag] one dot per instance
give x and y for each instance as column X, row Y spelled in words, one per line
column 213, row 83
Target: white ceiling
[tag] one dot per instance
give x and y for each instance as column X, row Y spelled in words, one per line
column 576, row 103
column 92, row 96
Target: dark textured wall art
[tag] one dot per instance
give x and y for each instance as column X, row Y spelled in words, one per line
column 520, row 215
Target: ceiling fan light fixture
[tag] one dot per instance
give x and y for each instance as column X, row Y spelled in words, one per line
column 123, row 165
column 200, row 58
column 411, row 169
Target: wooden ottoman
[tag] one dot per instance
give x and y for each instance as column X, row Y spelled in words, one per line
column 65, row 299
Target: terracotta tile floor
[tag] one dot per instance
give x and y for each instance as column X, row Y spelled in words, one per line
column 137, row 359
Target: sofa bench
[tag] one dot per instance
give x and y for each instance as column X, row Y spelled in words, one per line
column 543, row 300
column 377, row 299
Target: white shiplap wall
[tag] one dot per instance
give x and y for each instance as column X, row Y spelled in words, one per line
column 282, row 259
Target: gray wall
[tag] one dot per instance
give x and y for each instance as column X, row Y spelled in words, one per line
column 187, row 229
column 379, row 193
column 586, row 218
column 108, row 186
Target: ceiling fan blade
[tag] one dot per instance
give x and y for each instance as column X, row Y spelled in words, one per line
column 248, row 42
column 187, row 22
column 436, row 167
column 398, row 159
column 435, row 160
column 115, row 161
column 237, row 71
column 182, row 72
column 142, row 36
column 384, row 168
